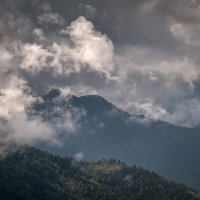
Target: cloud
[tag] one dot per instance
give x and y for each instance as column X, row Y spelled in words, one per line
column 140, row 119
column 39, row 33
column 87, row 10
column 51, row 18
column 62, row 120
column 15, row 127
column 13, row 24
column 5, row 62
column 13, row 97
column 144, row 60
column 35, row 57
column 79, row 156
column 186, row 113
column 90, row 46
column 149, row 109
column 29, row 131
column 19, row 126
column 187, row 33
column 90, row 50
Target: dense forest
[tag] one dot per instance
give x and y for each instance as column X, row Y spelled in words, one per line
column 31, row 174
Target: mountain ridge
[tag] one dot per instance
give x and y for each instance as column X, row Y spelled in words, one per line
column 108, row 132
column 33, row 174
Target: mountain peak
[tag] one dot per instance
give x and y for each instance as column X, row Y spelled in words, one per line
column 93, row 104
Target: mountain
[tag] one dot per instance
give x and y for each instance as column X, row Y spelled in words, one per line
column 108, row 132
column 34, row 174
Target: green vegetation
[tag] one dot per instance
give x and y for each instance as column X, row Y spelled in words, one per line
column 31, row 174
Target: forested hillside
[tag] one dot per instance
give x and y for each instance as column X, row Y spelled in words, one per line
column 33, row 174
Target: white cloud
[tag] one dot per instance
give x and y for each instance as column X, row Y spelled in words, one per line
column 153, row 111
column 29, row 131
column 68, row 121
column 61, row 59
column 19, row 127
column 150, row 79
column 5, row 60
column 148, row 6
column 186, row 113
column 39, row 33
column 48, row 16
column 90, row 50
column 152, row 63
column 34, row 57
column 45, row 7
column 79, row 155
column 16, row 127
column 13, row 98
column 140, row 120
column 94, row 51
column 51, row 18
column 187, row 33
column 149, row 109
column 87, row 10
column 185, row 68
column 90, row 46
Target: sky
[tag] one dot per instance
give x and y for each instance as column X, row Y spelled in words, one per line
column 141, row 55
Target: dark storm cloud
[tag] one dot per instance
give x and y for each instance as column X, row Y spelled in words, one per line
column 39, row 42
column 142, row 56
